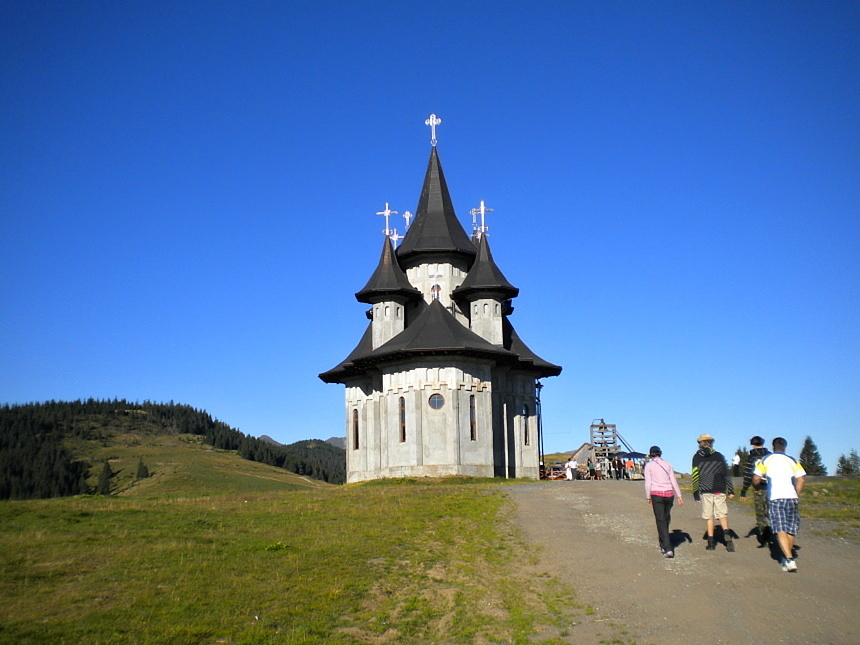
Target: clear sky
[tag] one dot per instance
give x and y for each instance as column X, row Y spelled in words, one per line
column 188, row 194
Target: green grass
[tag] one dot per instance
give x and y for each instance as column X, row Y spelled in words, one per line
column 179, row 463
column 401, row 562
column 835, row 500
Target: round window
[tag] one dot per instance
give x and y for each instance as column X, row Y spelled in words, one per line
column 436, row 401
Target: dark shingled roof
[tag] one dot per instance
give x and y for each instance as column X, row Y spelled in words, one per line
column 346, row 367
column 435, row 332
column 388, row 279
column 485, row 276
column 436, row 227
column 515, row 344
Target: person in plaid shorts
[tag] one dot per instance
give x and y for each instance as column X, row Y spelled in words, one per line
column 785, row 477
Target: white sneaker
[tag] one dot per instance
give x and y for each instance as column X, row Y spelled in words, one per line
column 790, row 565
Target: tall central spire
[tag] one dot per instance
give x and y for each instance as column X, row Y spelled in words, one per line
column 436, row 228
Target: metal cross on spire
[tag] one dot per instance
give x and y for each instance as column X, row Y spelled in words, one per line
column 408, row 217
column 387, row 213
column 433, row 121
column 482, row 210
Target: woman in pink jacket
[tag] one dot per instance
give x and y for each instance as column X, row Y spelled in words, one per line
column 661, row 487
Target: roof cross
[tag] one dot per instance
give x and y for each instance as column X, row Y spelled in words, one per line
column 433, row 121
column 482, row 210
column 408, row 217
column 387, row 213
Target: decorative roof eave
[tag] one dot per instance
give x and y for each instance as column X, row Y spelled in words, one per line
column 435, row 228
column 365, row 345
column 388, row 280
column 528, row 359
column 435, row 332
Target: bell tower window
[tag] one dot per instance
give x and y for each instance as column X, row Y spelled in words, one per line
column 355, row 429
column 473, row 419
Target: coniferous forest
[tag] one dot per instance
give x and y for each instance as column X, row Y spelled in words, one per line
column 37, row 459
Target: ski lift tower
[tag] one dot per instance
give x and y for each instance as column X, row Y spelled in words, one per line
column 604, row 440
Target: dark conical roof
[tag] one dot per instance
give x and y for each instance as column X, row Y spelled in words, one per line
column 485, row 276
column 388, row 279
column 436, row 228
column 436, row 331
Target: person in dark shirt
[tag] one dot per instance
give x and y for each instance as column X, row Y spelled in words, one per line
column 759, row 492
column 711, row 486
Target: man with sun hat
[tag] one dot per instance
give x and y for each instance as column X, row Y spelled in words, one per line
column 711, row 485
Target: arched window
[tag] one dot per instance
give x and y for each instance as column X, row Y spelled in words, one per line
column 402, row 419
column 473, row 419
column 355, row 429
column 526, row 437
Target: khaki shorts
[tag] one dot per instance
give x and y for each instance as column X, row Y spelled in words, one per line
column 714, row 506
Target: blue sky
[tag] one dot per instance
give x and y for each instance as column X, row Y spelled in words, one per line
column 188, row 194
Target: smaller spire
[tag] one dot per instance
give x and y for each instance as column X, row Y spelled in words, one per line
column 433, row 121
column 485, row 277
column 388, row 280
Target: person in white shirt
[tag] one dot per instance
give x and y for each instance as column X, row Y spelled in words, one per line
column 571, row 469
column 785, row 477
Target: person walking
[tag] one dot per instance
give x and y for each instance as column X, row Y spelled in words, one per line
column 661, row 488
column 711, row 486
column 618, row 467
column 760, row 502
column 570, row 468
column 785, row 478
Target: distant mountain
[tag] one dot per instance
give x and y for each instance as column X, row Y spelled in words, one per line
column 340, row 442
column 267, row 439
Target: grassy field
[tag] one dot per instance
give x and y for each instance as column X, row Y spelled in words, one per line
column 213, row 549
column 835, row 500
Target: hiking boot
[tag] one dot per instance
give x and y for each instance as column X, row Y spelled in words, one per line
column 730, row 545
column 711, row 545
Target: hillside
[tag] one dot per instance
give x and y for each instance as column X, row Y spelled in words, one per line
column 61, row 448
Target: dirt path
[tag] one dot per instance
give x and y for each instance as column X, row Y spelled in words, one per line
column 601, row 537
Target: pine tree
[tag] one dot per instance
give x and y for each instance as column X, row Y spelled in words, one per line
column 810, row 459
column 848, row 466
column 104, row 480
column 142, row 470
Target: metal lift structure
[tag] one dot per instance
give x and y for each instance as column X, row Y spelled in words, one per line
column 604, row 440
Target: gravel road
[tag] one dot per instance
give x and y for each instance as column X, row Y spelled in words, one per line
column 600, row 536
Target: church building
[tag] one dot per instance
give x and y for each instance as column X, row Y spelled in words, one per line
column 440, row 383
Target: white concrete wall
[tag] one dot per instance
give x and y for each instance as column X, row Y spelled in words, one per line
column 486, row 319
column 439, row 441
column 388, row 320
